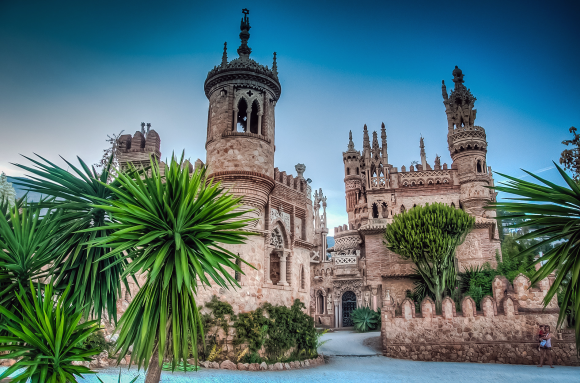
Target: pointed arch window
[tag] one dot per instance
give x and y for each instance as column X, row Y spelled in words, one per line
column 375, row 211
column 241, row 113
column 302, row 278
column 255, row 118
column 479, row 169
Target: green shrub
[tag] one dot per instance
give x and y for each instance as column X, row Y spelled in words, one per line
column 95, row 341
column 365, row 319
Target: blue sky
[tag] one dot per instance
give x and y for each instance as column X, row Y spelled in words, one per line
column 73, row 72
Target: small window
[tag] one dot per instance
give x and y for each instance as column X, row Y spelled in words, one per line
column 375, row 211
column 357, row 171
column 348, row 171
column 238, row 275
column 302, row 278
column 479, row 169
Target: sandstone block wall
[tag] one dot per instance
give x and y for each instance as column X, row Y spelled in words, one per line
column 505, row 331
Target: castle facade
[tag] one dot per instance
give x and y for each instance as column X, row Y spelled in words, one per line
column 359, row 270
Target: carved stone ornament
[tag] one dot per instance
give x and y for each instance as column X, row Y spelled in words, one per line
column 282, row 216
column 276, row 239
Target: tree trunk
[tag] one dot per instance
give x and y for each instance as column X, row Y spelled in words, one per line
column 154, row 369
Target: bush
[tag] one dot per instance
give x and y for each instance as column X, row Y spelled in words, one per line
column 365, row 319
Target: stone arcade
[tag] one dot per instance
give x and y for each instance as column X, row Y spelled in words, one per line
column 359, row 270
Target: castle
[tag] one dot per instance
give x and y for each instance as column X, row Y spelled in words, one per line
column 359, row 270
column 289, row 255
column 240, row 149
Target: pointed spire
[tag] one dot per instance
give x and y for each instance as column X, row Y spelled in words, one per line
column 225, row 55
column 244, row 50
column 366, row 142
column 350, row 143
column 384, row 142
column 375, row 143
column 423, row 155
column 275, row 66
column 444, row 90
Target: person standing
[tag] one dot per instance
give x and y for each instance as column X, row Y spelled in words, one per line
column 546, row 349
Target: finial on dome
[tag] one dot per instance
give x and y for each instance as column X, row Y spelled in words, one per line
column 244, row 50
column 225, row 55
column 457, row 75
column 275, row 66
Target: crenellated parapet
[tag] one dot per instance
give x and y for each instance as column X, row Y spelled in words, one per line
column 140, row 148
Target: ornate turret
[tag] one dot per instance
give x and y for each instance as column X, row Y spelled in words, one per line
column 384, row 142
column 241, row 125
column 467, row 146
column 422, row 153
column 352, row 179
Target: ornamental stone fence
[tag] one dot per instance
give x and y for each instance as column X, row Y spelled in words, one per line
column 505, row 331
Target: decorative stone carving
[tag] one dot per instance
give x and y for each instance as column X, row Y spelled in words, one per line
column 347, row 242
column 276, row 239
column 282, row 216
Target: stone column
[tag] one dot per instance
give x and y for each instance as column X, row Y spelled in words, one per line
column 248, row 115
column 375, row 291
column 267, row 269
column 336, row 314
column 235, row 124
column 260, row 124
column 283, row 281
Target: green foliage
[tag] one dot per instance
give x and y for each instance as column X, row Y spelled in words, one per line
column 428, row 235
column 219, row 310
column 95, row 280
column 252, row 357
column 96, row 341
column 252, row 327
column 172, row 228
column 28, row 245
column 44, row 335
column 555, row 210
column 365, row 319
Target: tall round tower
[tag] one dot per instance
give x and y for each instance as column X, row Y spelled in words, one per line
column 468, row 147
column 352, row 178
column 241, row 125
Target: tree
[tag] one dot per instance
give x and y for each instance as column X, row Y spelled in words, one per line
column 96, row 281
column 554, row 210
column 172, row 228
column 428, row 235
column 570, row 158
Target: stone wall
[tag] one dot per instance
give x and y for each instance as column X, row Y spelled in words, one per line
column 505, row 331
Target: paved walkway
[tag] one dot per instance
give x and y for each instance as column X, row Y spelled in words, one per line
column 348, row 343
column 365, row 368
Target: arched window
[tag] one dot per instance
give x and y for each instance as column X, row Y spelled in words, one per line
column 242, row 117
column 348, row 171
column 403, row 208
column 238, row 275
column 375, row 211
column 254, row 120
column 479, row 170
column 357, row 171
column 302, row 278
column 320, row 299
column 274, row 268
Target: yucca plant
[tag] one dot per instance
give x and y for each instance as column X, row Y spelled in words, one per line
column 44, row 334
column 429, row 235
column 553, row 214
column 172, row 228
column 96, row 281
column 364, row 319
column 28, row 245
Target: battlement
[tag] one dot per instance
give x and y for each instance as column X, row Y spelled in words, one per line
column 297, row 183
column 139, row 148
column 467, row 138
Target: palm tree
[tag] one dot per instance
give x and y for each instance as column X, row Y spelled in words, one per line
column 554, row 212
column 96, row 281
column 172, row 228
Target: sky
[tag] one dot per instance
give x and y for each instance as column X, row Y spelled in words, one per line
column 73, row 72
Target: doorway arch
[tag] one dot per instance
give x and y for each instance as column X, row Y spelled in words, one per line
column 348, row 305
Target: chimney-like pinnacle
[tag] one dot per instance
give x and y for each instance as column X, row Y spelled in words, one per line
column 225, row 55
column 244, row 50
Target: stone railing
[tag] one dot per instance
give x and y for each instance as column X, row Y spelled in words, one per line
column 345, row 260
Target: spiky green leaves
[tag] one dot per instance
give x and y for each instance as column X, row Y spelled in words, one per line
column 552, row 212
column 365, row 319
column 173, row 229
column 44, row 335
column 96, row 282
column 28, row 245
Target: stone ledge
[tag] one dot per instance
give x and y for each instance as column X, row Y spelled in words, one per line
column 229, row 365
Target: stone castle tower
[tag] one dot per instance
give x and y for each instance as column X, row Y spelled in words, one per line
column 468, row 148
column 241, row 125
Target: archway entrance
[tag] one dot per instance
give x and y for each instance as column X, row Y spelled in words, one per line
column 348, row 305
